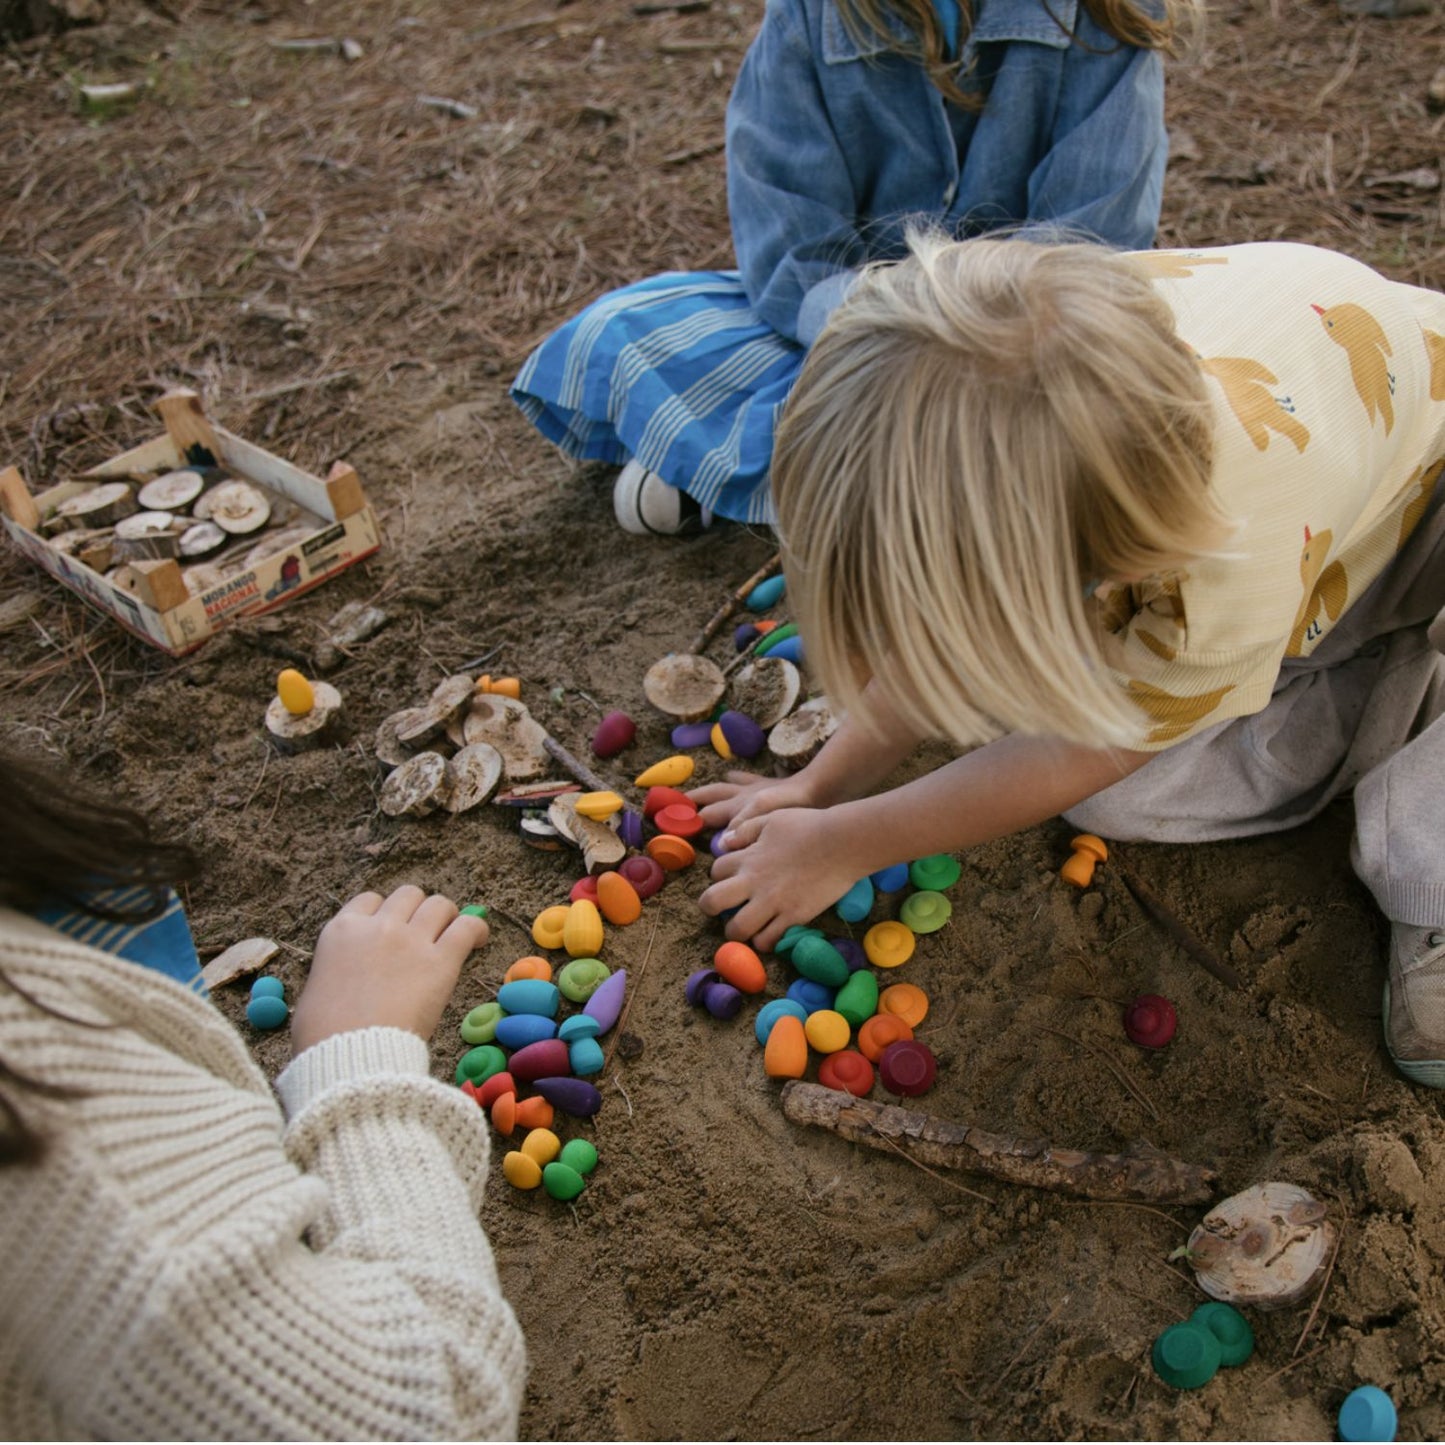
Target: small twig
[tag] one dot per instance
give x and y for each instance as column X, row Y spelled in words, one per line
column 919, row 1164
column 1170, row 922
column 1320, row 1297
column 579, row 770
column 1113, row 1066
column 1032, row 1335
column 632, row 993
column 265, row 763
column 457, row 109
column 675, row 7
column 1285, row 1369
column 695, row 153
column 1123, row 1204
column 710, row 629
column 617, row 1084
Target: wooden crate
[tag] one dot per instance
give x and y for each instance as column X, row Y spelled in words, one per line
column 161, row 608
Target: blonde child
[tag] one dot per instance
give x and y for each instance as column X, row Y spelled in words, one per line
column 1161, row 531
column 186, row 1256
column 850, row 118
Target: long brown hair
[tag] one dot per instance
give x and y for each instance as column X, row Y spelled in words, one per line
column 60, row 844
column 869, row 20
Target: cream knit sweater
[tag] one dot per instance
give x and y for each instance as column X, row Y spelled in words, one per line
column 188, row 1263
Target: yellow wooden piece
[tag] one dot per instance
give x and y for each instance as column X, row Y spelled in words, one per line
column 888, row 944
column 521, row 1170
column 582, row 930
column 600, row 806
column 1088, row 851
column 297, row 695
column 542, row 1145
column 827, row 1031
column 669, row 773
column 549, row 925
column 720, row 743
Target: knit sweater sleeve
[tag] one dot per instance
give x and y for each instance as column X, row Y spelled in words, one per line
column 187, row 1265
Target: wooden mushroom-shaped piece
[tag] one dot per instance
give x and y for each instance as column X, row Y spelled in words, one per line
column 797, row 740
column 1267, row 1247
column 766, row 690
column 601, row 847
column 506, row 724
column 303, row 714
column 1088, row 853
column 684, row 686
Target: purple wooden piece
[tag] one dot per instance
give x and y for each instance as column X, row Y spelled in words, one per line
column 852, row 952
column 698, row 981
column 572, row 1096
column 745, row 635
column 743, row 735
column 722, row 1000
column 629, row 828
column 716, row 846
column 692, row 735
column 606, row 1004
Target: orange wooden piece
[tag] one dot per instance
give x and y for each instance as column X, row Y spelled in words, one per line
column 846, row 1070
column 530, row 967
column 505, row 686
column 880, row 1031
column 741, row 967
column 671, row 852
column 1089, row 851
column 533, row 1113
column 905, row 1000
column 786, row 1054
column 504, row 1113
column 618, row 899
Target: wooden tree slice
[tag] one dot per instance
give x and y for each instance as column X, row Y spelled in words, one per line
column 796, row 741
column 388, row 745
column 292, row 734
column 475, row 772
column 250, row 955
column 601, row 847
column 171, row 493
column 235, row 507
column 1267, row 1247
column 451, row 695
column 512, row 730
column 417, row 787
column 201, row 540
column 146, row 536
column 275, row 542
column 354, row 623
column 419, row 725
column 536, row 795
column 766, row 690
column 101, row 506
column 684, row 686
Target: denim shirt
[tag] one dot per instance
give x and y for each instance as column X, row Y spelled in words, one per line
column 832, row 147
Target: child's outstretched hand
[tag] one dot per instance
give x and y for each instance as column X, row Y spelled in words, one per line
column 385, row 962
column 747, row 795
column 782, row 867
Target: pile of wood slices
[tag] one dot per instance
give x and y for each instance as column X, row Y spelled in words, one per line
column 212, row 523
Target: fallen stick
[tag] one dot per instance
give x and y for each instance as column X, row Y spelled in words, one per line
column 1144, row 1173
column 578, row 769
column 1170, row 922
column 734, row 602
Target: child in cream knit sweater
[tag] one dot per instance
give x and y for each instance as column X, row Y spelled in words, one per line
column 189, row 1254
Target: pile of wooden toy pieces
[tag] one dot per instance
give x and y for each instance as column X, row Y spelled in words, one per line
column 835, row 1001
column 209, row 521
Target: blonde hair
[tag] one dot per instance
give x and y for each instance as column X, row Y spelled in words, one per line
column 981, row 430
column 1127, row 22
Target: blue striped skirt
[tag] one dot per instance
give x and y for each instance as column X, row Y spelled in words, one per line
column 677, row 371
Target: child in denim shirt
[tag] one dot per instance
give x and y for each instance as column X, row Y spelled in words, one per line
column 849, row 119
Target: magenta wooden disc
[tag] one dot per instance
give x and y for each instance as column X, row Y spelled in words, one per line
column 1150, row 1021
column 907, row 1067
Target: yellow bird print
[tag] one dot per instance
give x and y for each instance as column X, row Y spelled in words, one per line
column 1176, row 265
column 1175, row 715
column 1365, row 343
column 1246, row 386
column 1435, row 350
column 1327, row 587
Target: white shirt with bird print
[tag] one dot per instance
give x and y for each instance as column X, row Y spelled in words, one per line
column 1329, row 388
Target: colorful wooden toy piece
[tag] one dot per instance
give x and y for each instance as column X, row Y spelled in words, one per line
column 668, row 773
column 297, row 695
column 1089, row 851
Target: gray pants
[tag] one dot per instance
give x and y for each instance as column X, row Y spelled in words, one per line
column 1365, row 711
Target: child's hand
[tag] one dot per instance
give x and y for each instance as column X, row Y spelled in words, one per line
column 783, row 867
column 746, row 795
column 385, row 962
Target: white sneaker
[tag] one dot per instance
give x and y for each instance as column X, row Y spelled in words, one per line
column 1415, row 1003
column 647, row 507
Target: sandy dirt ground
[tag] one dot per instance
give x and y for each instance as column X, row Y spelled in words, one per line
column 345, row 272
